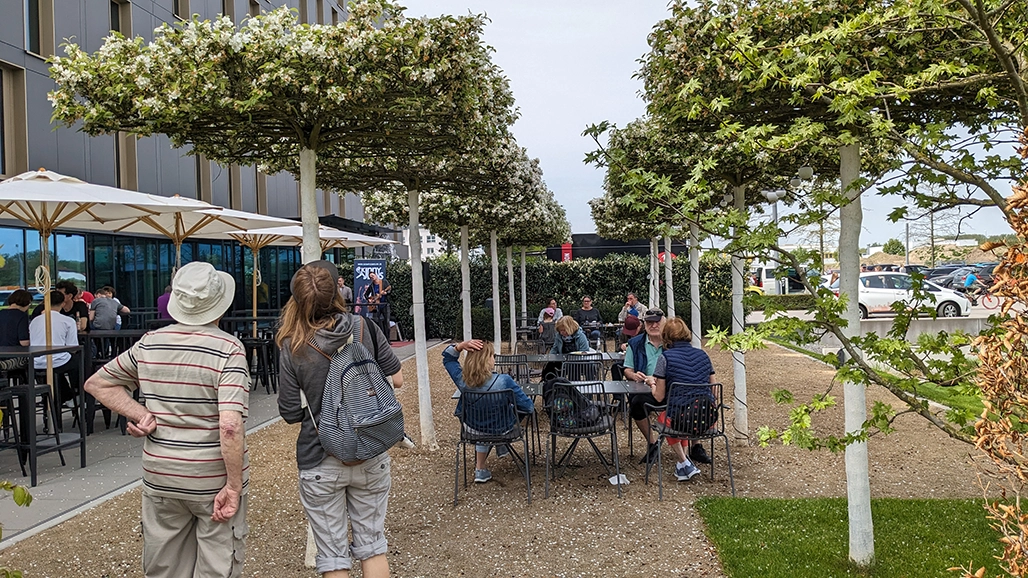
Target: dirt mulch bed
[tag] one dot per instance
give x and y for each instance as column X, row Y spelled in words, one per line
column 584, row 529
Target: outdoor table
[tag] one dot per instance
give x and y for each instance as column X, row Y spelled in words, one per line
column 27, row 403
column 243, row 326
column 606, row 356
column 610, row 387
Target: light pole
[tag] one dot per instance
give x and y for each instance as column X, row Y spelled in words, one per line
column 773, row 196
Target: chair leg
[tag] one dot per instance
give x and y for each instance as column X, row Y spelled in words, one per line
column 456, row 473
column 614, row 450
column 528, row 470
column 551, row 446
column 660, row 470
column 728, row 458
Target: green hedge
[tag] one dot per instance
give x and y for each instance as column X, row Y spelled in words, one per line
column 607, row 280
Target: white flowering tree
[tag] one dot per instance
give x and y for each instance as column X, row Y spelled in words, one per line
column 280, row 94
column 542, row 221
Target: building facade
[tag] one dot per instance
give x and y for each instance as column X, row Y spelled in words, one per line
column 138, row 268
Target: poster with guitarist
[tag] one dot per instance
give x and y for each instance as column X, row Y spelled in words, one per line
column 372, row 291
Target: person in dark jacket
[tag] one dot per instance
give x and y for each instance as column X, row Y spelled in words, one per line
column 332, row 492
column 640, row 361
column 682, row 363
column 571, row 338
column 477, row 374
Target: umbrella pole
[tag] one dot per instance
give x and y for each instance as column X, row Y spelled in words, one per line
column 256, row 274
column 178, row 257
column 43, row 280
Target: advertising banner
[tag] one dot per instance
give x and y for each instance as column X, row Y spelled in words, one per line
column 362, row 278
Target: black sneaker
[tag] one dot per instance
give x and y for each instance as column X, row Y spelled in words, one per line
column 651, row 454
column 698, row 454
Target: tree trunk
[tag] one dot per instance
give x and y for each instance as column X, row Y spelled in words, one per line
column 524, row 288
column 428, row 438
column 511, row 299
column 654, row 274
column 858, row 487
column 309, row 207
column 669, row 285
column 497, row 330
column 465, row 281
column 694, row 283
column 742, row 414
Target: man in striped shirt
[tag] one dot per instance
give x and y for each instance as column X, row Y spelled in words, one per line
column 195, row 381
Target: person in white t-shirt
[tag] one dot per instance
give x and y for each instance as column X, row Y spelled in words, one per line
column 63, row 331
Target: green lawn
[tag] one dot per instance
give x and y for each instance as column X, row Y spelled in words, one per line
column 808, row 537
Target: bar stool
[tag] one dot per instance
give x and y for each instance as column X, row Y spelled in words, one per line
column 27, row 396
column 264, row 364
column 10, row 423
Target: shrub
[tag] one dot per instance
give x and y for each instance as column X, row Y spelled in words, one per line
column 607, row 280
column 803, row 301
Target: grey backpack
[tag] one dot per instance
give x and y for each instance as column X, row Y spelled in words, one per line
column 360, row 417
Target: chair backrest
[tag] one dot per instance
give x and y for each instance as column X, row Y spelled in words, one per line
column 488, row 416
column 583, row 367
column 695, row 409
column 531, row 346
column 515, row 366
column 569, row 408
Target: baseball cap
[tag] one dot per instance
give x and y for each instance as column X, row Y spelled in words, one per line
column 653, row 315
column 631, row 327
column 549, row 311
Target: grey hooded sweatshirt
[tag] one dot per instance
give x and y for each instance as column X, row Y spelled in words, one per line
column 306, row 370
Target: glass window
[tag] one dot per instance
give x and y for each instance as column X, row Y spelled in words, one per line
column 71, row 259
column 431, row 238
column 255, row 8
column 901, row 282
column 115, row 16
column 431, row 250
column 12, row 258
column 873, row 282
column 32, row 26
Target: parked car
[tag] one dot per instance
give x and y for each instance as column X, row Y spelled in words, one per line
column 941, row 270
column 952, row 280
column 912, row 268
column 879, row 290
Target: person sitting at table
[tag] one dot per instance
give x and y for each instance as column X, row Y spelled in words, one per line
column 63, row 332
column 105, row 310
column 162, row 304
column 572, row 339
column 547, row 329
column 632, row 307
column 682, row 363
column 477, row 373
column 557, row 313
column 640, row 361
column 590, row 317
column 14, row 328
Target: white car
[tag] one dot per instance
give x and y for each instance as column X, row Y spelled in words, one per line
column 880, row 289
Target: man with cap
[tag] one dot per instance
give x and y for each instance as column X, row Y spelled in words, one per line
column 196, row 382
column 640, row 361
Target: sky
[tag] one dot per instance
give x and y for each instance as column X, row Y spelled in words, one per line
column 571, row 63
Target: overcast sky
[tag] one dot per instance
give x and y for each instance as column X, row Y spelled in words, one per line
column 571, row 64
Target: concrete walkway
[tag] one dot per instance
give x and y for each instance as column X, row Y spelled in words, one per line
column 113, row 466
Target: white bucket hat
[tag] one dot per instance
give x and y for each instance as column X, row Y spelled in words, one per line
column 200, row 294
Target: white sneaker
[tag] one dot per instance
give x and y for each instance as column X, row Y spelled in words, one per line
column 69, row 404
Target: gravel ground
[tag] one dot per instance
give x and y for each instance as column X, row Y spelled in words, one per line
column 582, row 530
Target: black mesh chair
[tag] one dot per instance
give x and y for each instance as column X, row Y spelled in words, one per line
column 490, row 417
column 575, row 417
column 517, row 367
column 583, row 367
column 692, row 420
column 531, row 347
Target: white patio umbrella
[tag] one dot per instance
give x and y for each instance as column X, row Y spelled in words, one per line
column 291, row 236
column 205, row 221
column 46, row 201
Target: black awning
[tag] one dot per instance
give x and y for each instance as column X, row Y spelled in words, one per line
column 352, row 226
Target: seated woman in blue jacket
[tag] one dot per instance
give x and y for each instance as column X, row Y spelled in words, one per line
column 477, row 374
column 570, row 337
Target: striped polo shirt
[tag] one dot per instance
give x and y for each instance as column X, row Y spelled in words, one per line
column 186, row 374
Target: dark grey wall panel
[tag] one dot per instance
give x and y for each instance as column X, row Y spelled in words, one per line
column 101, row 167
column 248, row 182
column 42, row 140
column 146, row 157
